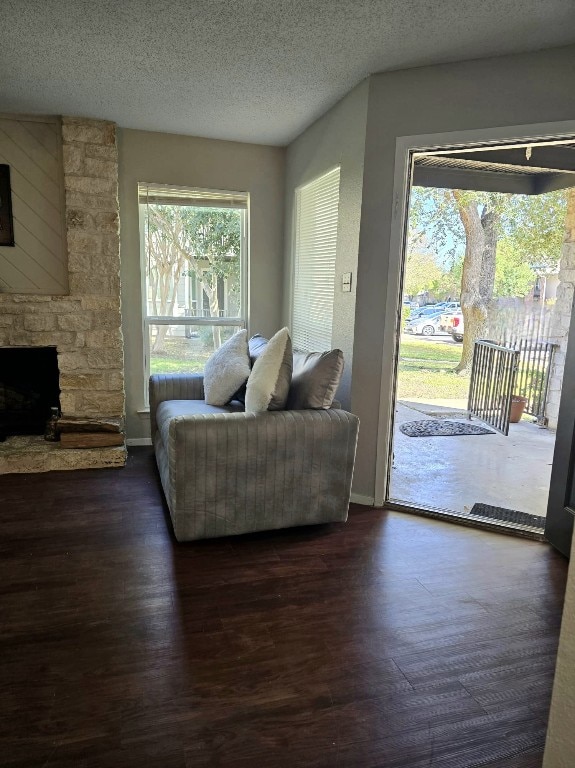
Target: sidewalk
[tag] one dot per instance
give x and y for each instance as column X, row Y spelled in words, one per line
column 456, row 472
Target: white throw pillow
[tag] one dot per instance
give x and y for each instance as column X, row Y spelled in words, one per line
column 264, row 376
column 227, row 369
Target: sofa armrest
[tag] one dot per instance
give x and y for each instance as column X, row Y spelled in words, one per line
column 173, row 386
column 269, row 427
column 237, row 472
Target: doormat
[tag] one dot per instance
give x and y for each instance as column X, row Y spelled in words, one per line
column 508, row 515
column 442, row 428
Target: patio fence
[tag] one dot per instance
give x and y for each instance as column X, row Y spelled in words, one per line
column 501, row 370
column 532, row 381
column 492, row 383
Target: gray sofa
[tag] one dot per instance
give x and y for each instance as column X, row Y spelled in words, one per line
column 228, row 472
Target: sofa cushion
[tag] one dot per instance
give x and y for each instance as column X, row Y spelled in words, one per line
column 170, row 409
column 269, row 381
column 227, row 369
column 316, row 377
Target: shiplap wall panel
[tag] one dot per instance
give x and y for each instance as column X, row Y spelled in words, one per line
column 37, row 226
column 37, row 264
column 42, row 265
column 22, row 188
column 49, row 140
column 23, row 138
column 10, row 275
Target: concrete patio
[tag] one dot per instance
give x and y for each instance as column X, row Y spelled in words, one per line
column 454, row 473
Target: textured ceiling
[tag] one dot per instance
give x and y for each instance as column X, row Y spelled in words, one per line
column 249, row 70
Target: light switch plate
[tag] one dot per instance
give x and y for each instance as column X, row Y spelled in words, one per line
column 346, row 282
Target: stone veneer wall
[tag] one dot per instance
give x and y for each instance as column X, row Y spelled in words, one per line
column 85, row 326
column 562, row 310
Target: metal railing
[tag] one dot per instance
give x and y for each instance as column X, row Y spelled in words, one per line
column 532, row 382
column 492, row 383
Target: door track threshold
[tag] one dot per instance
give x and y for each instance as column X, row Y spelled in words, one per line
column 475, row 521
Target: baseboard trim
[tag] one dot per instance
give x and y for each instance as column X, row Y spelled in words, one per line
column 139, row 441
column 366, row 501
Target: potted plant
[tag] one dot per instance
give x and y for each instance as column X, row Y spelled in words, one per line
column 518, row 403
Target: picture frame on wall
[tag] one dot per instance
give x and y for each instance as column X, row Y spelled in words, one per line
column 6, row 221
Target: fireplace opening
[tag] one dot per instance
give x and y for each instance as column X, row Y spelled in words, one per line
column 29, row 388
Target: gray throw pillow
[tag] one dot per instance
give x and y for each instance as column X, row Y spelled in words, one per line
column 315, row 379
column 256, row 346
column 227, row 369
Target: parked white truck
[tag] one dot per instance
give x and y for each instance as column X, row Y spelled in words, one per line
column 456, row 326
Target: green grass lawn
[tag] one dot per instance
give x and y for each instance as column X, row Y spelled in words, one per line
column 180, row 355
column 426, row 370
column 161, row 364
column 420, row 348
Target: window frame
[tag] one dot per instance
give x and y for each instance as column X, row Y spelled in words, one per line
column 240, row 321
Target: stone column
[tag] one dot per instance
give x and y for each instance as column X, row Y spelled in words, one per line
column 92, row 379
column 562, row 312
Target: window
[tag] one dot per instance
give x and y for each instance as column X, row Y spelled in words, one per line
column 316, row 216
column 194, row 253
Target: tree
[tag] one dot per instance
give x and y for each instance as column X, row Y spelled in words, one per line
column 449, row 286
column 513, row 275
column 454, row 218
column 213, row 238
column 535, row 226
column 421, row 272
column 185, row 240
column 475, row 220
column 478, row 275
column 164, row 265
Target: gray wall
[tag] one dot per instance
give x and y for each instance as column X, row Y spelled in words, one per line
column 208, row 164
column 511, row 90
column 337, row 138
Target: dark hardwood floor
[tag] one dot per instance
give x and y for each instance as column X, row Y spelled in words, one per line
column 390, row 641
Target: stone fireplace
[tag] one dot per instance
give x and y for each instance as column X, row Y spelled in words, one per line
column 84, row 327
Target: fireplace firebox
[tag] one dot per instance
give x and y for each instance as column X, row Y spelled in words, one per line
column 29, row 388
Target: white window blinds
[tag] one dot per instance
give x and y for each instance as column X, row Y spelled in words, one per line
column 166, row 194
column 316, row 216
